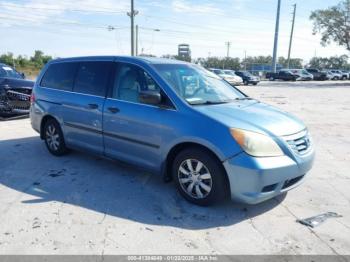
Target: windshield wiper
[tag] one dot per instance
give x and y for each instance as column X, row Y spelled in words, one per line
column 243, row 98
column 208, row 103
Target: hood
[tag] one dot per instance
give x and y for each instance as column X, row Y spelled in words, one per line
column 16, row 83
column 254, row 116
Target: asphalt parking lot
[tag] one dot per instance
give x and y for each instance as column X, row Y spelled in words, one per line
column 82, row 204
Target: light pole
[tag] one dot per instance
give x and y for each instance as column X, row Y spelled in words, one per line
column 291, row 35
column 275, row 45
column 132, row 15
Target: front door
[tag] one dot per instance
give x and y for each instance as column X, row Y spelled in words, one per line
column 132, row 130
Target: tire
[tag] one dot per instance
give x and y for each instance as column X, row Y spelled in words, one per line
column 246, row 83
column 254, row 84
column 54, row 139
column 199, row 177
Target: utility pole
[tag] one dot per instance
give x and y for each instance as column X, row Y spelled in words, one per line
column 228, row 45
column 291, row 35
column 137, row 40
column 132, row 15
column 275, row 45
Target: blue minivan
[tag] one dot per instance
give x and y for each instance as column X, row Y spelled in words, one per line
column 175, row 119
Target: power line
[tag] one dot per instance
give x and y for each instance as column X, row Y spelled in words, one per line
column 87, row 10
column 71, row 23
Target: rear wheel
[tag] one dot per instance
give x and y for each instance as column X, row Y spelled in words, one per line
column 54, row 139
column 246, row 82
column 199, row 177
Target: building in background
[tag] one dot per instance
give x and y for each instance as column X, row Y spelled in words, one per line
column 184, row 52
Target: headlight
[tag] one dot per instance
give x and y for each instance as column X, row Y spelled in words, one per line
column 256, row 144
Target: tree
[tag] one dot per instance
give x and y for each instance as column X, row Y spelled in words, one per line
column 220, row 62
column 333, row 24
column 294, row 62
column 250, row 60
column 333, row 62
column 7, row 59
column 39, row 59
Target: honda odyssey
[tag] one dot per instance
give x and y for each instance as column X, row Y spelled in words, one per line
column 175, row 119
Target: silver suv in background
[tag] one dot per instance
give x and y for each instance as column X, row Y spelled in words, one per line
column 228, row 75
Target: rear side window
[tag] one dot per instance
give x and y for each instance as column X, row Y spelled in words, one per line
column 92, row 78
column 60, row 76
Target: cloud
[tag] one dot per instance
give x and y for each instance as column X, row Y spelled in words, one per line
column 183, row 6
column 37, row 12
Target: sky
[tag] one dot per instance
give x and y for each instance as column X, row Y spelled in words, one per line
column 74, row 28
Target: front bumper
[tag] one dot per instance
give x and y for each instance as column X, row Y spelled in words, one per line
column 235, row 83
column 253, row 81
column 13, row 102
column 254, row 180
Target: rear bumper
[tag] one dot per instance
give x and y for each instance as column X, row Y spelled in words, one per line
column 254, row 180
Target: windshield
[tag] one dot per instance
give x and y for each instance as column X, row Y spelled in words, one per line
column 197, row 85
column 6, row 71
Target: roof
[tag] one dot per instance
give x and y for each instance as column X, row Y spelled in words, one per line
column 144, row 59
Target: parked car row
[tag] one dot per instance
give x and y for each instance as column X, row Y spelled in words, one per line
column 236, row 77
column 15, row 92
column 308, row 74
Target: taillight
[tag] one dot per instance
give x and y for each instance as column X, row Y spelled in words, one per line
column 32, row 98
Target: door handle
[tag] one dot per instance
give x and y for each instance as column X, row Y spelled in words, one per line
column 92, row 106
column 113, row 110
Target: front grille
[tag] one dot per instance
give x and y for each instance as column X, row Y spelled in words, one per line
column 26, row 91
column 300, row 143
column 13, row 95
column 17, row 100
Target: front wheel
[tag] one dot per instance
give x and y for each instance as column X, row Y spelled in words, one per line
column 54, row 139
column 199, row 176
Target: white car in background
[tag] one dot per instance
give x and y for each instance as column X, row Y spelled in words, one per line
column 346, row 73
column 233, row 79
column 335, row 74
column 302, row 74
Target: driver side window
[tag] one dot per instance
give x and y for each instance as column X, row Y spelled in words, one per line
column 130, row 81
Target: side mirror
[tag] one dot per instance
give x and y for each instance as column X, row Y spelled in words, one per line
column 23, row 75
column 150, row 97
